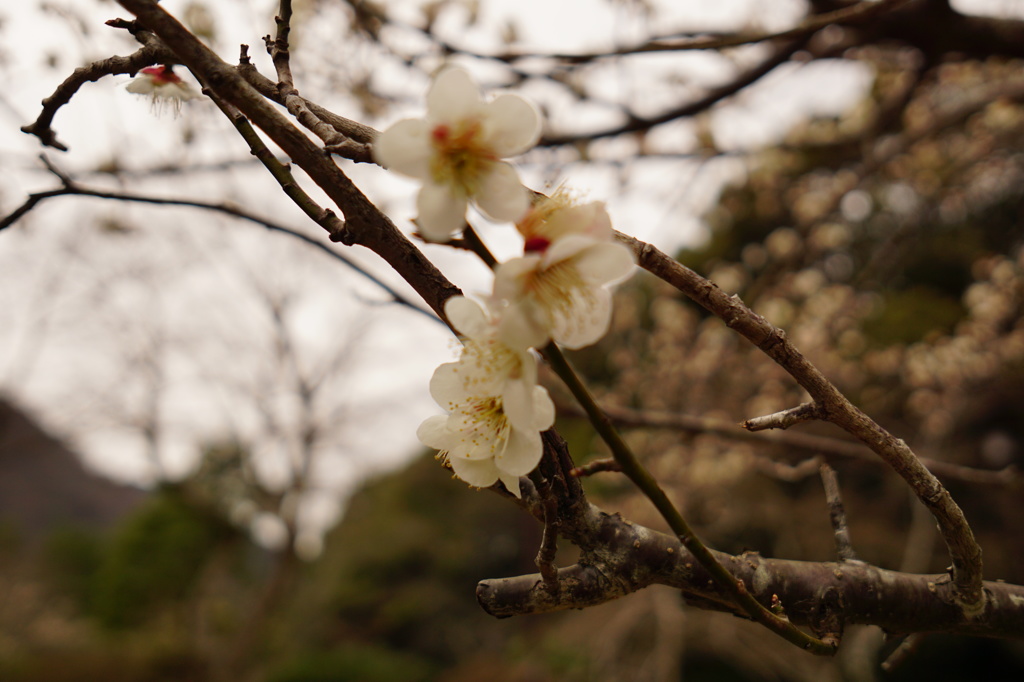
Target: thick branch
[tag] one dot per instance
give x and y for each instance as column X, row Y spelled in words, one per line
column 635, row 557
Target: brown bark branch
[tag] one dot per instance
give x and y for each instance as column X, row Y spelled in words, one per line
column 1008, row 477
column 836, row 408
column 151, row 52
column 637, row 124
column 72, row 188
column 784, row 419
column 365, row 224
column 621, row 557
column 837, row 514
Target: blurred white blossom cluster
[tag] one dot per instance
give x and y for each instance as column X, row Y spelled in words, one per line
column 557, row 291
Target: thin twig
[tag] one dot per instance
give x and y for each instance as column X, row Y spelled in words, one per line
column 791, row 473
column 72, row 188
column 784, row 419
column 596, row 467
column 836, row 513
column 278, row 48
column 1008, row 477
column 858, row 12
column 151, row 52
column 349, row 139
column 545, row 558
column 901, row 653
column 715, row 95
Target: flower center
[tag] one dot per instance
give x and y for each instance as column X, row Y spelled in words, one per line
column 562, row 292
column 484, row 425
column 462, row 158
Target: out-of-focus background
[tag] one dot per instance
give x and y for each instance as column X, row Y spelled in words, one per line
column 208, row 467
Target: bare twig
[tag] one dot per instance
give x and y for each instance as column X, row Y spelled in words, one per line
column 545, row 559
column 790, row 473
column 71, row 188
column 151, row 52
column 1008, row 477
column 836, row 514
column 784, row 419
column 278, row 47
column 596, row 467
column 902, row 652
column 668, row 42
column 637, row 124
column 353, row 140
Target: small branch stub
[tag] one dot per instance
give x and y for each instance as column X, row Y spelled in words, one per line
column 785, row 418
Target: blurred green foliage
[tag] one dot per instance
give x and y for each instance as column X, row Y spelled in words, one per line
column 150, row 563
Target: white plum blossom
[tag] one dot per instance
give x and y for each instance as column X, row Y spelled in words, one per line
column 456, row 150
column 496, row 412
column 163, row 86
column 561, row 283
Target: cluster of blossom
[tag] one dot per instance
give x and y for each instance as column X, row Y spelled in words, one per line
column 558, row 290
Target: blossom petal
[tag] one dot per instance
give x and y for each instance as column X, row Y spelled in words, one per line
column 405, row 148
column 517, row 403
column 467, row 317
column 511, row 125
column 590, row 219
column 511, row 482
column 522, row 454
column 441, row 213
column 501, row 196
column 178, row 91
column 447, row 386
column 453, row 96
column 511, row 277
column 481, row 473
column 543, row 409
column 434, row 433
column 605, row 263
column 141, row 85
column 521, row 327
column 570, row 246
column 588, row 322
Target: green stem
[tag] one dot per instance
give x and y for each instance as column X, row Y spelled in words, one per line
column 647, row 484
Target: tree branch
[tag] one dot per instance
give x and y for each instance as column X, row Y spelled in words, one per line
column 72, row 188
column 637, row 124
column 621, row 557
column 151, row 52
column 836, row 408
column 365, row 224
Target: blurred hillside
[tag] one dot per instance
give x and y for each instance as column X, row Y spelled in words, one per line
column 45, row 486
